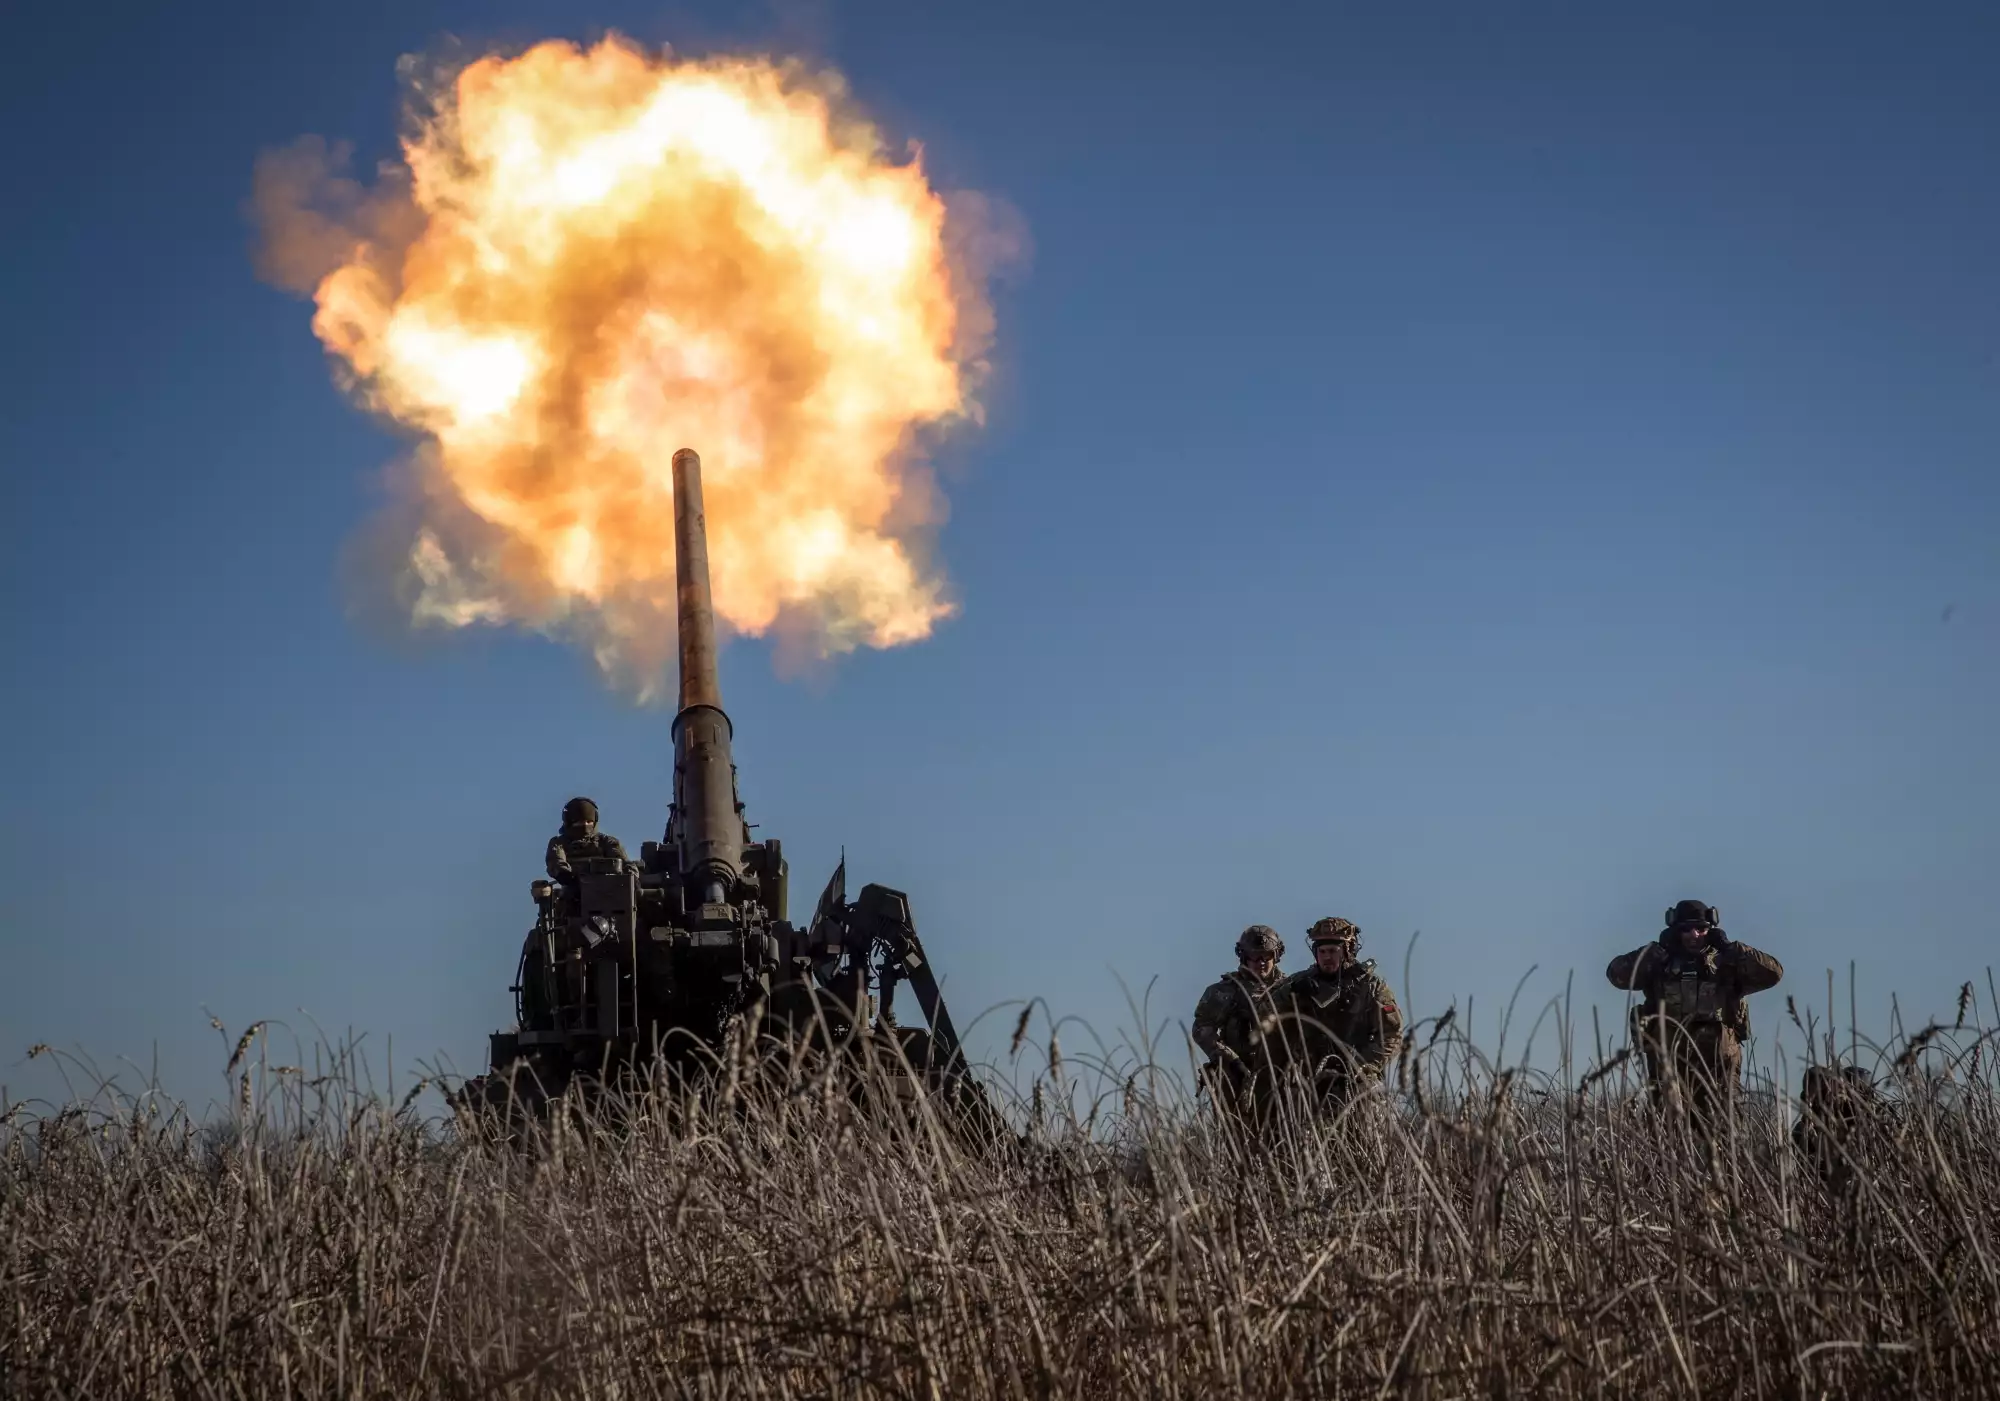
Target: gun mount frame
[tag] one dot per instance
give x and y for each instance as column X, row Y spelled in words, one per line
column 663, row 959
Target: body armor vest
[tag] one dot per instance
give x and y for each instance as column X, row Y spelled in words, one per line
column 1690, row 998
column 1336, row 1008
column 1692, row 993
column 1247, row 1009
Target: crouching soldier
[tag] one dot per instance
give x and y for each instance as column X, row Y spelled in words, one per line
column 1834, row 1101
column 1691, row 1021
column 1231, row 1019
column 1339, row 1020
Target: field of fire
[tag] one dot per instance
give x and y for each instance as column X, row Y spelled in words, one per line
column 1371, row 633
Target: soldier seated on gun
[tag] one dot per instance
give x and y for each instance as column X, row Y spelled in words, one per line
column 579, row 840
column 1339, row 1020
column 1691, row 1021
column 1230, row 1020
column 1833, row 1103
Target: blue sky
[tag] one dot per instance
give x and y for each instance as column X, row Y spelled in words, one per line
column 1483, row 474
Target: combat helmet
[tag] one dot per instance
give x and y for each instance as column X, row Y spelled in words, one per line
column 1334, row 930
column 578, row 811
column 1687, row 912
column 1260, row 938
column 1828, row 1087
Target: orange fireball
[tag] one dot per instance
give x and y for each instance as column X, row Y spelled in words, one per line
column 593, row 256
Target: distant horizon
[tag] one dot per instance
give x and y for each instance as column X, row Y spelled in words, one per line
column 1771, row 1060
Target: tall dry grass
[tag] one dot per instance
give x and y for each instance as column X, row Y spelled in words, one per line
column 1479, row 1231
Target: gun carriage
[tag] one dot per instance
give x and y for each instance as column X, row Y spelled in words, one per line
column 632, row 964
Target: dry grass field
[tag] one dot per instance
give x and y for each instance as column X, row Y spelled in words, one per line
column 1473, row 1232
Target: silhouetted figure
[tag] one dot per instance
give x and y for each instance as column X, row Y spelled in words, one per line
column 1691, row 1022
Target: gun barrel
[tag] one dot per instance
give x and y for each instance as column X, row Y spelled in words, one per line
column 697, row 608
column 711, row 824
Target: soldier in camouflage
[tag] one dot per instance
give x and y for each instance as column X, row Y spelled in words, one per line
column 1835, row 1104
column 579, row 840
column 1341, row 1025
column 1231, row 1019
column 1691, row 1021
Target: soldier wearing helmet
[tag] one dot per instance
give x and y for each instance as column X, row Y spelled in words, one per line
column 1835, row 1104
column 1341, row 1023
column 579, row 840
column 1233, row 1014
column 1691, row 1020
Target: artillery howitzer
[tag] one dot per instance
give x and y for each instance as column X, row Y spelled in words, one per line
column 658, row 963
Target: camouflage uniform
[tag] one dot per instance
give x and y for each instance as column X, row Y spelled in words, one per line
column 1691, row 1021
column 1834, row 1103
column 566, row 848
column 579, row 840
column 1340, row 1030
column 1229, row 1024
